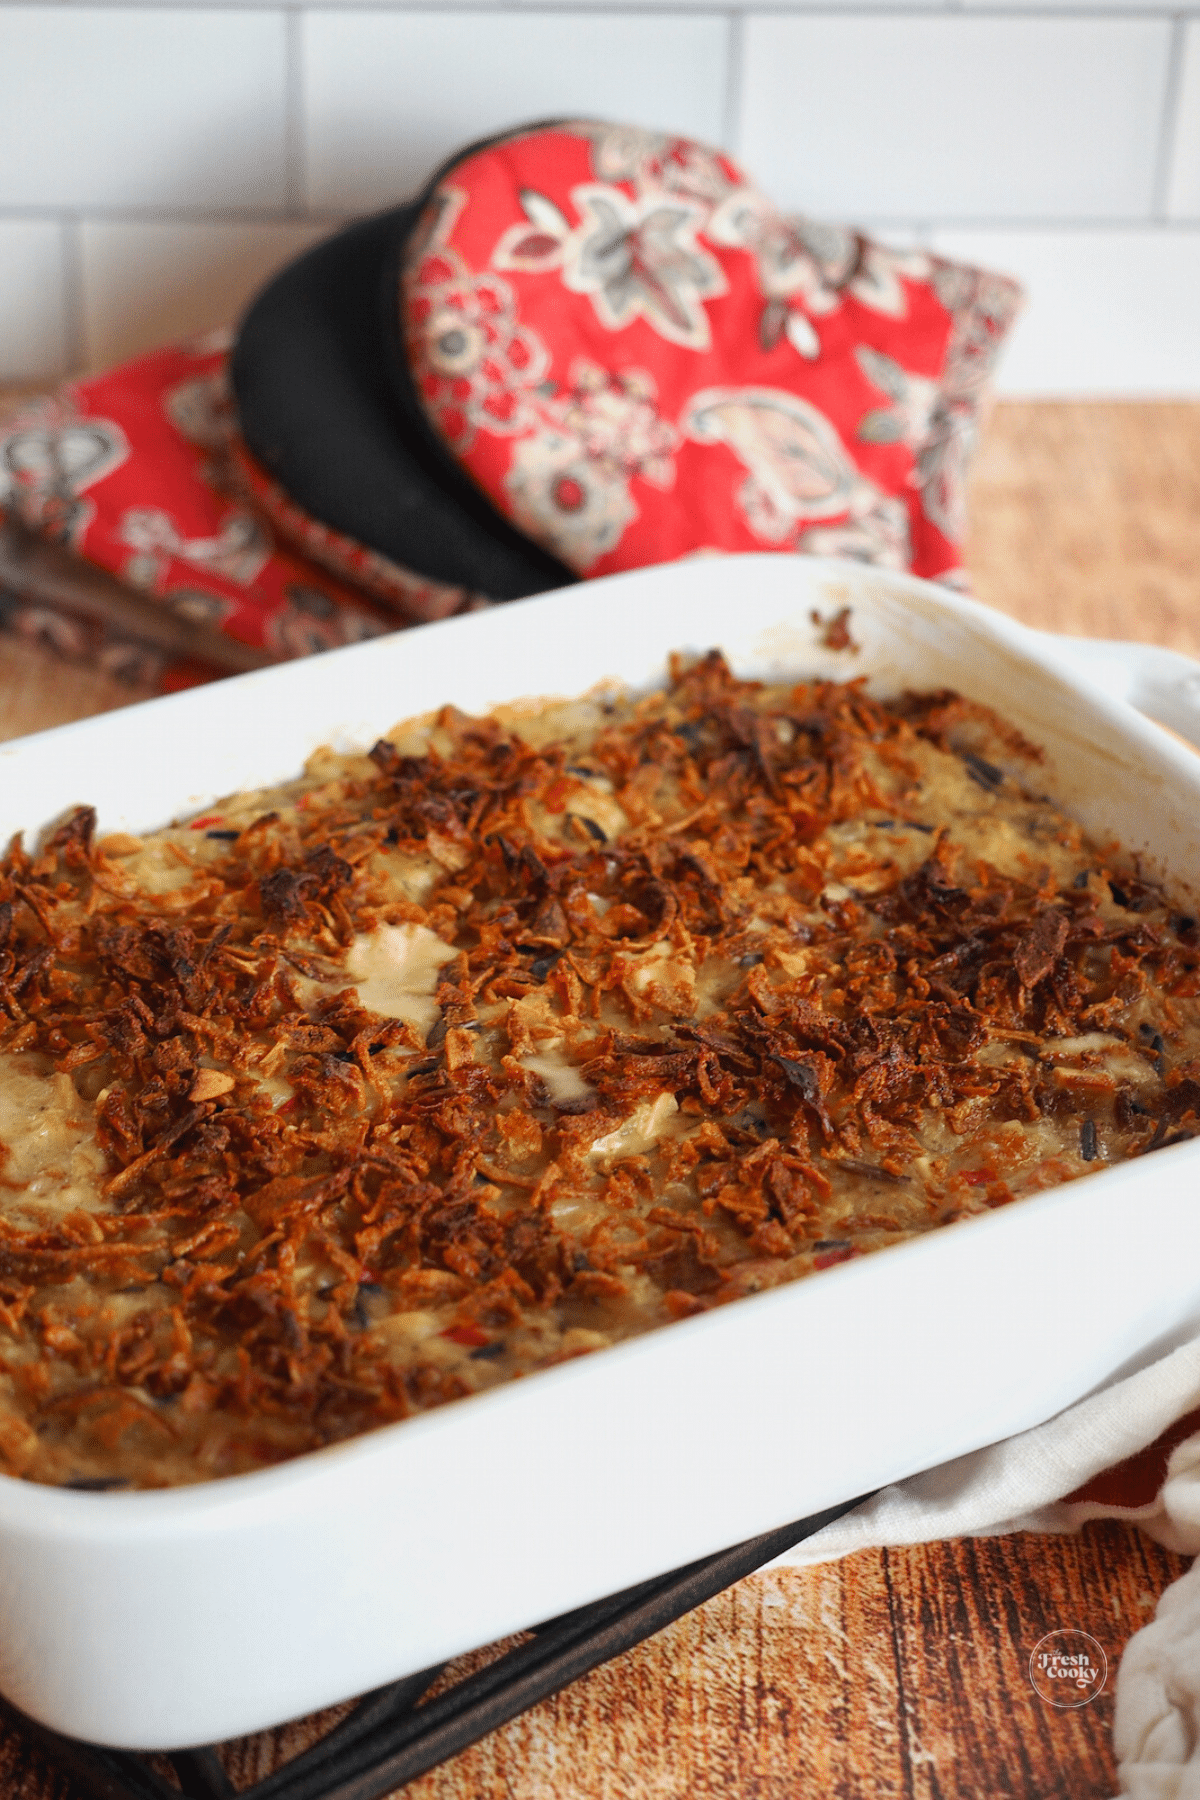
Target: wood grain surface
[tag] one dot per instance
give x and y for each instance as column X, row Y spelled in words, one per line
column 899, row 1673
column 894, row 1673
column 1086, row 519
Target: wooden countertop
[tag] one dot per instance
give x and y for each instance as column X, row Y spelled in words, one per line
column 897, row 1673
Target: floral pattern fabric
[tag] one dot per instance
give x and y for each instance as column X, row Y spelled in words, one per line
column 141, row 472
column 634, row 354
column 638, row 357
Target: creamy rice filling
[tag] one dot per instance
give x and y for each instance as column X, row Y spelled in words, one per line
column 529, row 1034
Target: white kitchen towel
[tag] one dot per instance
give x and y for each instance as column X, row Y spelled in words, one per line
column 1156, row 1731
column 1018, row 1485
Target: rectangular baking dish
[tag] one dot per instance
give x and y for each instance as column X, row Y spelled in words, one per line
column 158, row 1620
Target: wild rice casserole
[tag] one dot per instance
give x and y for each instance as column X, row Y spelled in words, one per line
column 528, row 1033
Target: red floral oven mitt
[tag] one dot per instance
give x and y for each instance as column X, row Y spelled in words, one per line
column 636, row 357
column 584, row 348
column 132, row 471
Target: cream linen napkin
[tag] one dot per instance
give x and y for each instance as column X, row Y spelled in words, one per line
column 1016, row 1486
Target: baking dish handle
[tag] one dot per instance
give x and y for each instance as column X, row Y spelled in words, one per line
column 1163, row 684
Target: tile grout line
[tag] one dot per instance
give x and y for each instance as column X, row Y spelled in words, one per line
column 1164, row 170
column 731, row 118
column 294, row 136
column 175, row 215
column 74, row 298
column 1164, row 12
column 1045, row 225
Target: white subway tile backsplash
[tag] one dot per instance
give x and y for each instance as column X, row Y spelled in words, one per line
column 389, row 94
column 146, row 284
column 145, row 106
column 1081, row 6
column 1107, row 312
column 954, row 117
column 738, row 6
column 161, row 129
column 33, row 327
column 1183, row 180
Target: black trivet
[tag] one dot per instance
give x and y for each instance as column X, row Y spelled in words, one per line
column 389, row 1740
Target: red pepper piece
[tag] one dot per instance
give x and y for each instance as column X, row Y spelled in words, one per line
column 465, row 1334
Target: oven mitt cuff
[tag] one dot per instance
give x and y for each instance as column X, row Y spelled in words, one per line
column 139, row 473
column 335, row 440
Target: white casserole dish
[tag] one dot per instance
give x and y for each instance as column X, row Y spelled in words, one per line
column 164, row 1619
